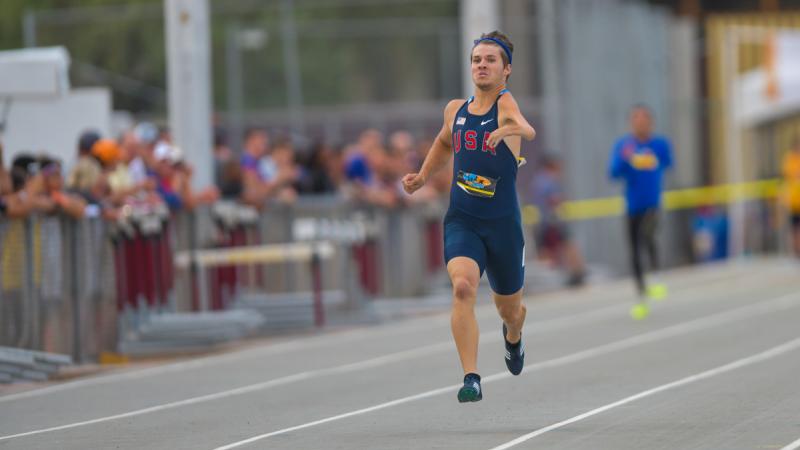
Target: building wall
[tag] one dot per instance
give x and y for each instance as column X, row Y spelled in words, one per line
column 750, row 56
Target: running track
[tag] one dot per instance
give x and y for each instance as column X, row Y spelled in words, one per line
column 716, row 366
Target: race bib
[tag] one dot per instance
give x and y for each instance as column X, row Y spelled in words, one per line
column 644, row 161
column 477, row 185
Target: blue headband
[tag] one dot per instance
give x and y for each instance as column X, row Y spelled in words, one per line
column 496, row 41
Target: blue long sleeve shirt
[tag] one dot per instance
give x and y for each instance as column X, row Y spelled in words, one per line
column 642, row 170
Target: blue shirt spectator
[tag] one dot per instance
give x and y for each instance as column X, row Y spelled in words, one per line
column 357, row 169
column 251, row 164
column 641, row 164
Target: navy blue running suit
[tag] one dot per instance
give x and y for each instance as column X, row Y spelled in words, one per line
column 483, row 221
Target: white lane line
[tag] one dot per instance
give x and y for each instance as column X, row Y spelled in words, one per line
column 746, row 312
column 282, row 347
column 738, row 364
column 548, row 325
column 545, row 325
column 793, row 446
column 191, row 401
column 134, row 374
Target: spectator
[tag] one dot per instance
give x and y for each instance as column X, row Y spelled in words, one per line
column 164, row 173
column 260, row 179
column 357, row 167
column 334, row 167
column 120, row 182
column 552, row 233
column 141, row 165
column 174, row 178
column 51, row 188
column 85, row 177
column 791, row 177
column 5, row 177
column 368, row 171
column 12, row 198
column 402, row 152
column 28, row 187
column 223, row 155
column 285, row 168
column 318, row 178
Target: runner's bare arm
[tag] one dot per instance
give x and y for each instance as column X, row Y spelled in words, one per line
column 439, row 154
column 511, row 121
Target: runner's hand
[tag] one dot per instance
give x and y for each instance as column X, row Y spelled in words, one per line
column 412, row 182
column 497, row 136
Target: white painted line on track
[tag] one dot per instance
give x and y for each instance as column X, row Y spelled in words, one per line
column 764, row 307
column 793, row 446
column 280, row 347
column 190, row 401
column 543, row 326
column 738, row 364
column 547, row 325
column 159, row 370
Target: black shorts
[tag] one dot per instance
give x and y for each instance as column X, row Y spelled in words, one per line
column 497, row 245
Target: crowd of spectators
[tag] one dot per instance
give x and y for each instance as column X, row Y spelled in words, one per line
column 142, row 166
column 271, row 170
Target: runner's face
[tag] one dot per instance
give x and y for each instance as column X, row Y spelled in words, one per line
column 488, row 69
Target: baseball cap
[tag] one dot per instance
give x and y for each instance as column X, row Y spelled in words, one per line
column 146, row 132
column 168, row 152
column 107, row 151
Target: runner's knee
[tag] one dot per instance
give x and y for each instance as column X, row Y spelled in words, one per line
column 510, row 312
column 463, row 290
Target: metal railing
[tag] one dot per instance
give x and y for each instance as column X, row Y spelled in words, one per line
column 86, row 287
column 56, row 286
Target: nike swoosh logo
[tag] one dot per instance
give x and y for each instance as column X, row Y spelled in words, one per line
column 486, row 121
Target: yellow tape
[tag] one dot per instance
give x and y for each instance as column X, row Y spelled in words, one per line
column 677, row 199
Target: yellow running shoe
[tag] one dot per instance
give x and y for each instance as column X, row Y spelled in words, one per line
column 657, row 291
column 639, row 311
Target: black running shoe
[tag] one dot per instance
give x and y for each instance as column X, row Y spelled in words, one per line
column 515, row 354
column 471, row 391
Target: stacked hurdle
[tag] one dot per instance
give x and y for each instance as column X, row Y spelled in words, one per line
column 149, row 322
column 28, row 365
column 237, row 226
column 142, row 258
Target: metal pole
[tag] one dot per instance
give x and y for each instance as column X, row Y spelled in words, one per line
column 29, row 29
column 292, row 66
column 477, row 16
column 35, row 299
column 445, row 64
column 234, row 84
column 77, row 329
column 189, row 82
column 197, row 278
column 736, row 210
column 158, row 272
column 288, row 215
column 316, row 274
column 29, row 314
column 550, row 74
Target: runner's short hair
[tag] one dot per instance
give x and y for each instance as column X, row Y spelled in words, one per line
column 500, row 36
